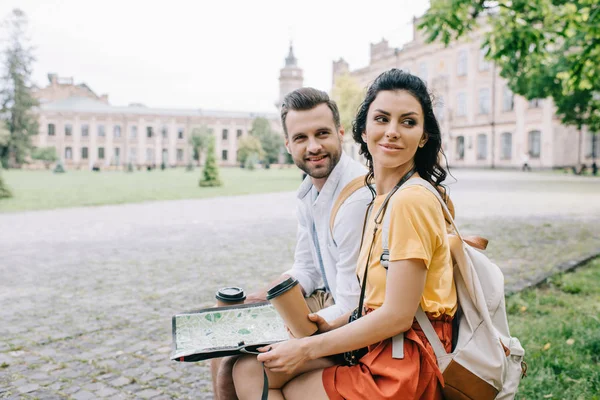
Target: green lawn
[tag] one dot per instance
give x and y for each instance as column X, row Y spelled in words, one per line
column 559, row 327
column 36, row 190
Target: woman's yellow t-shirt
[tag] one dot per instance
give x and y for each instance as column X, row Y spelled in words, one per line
column 417, row 230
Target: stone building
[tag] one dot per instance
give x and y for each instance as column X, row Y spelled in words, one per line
column 88, row 131
column 483, row 123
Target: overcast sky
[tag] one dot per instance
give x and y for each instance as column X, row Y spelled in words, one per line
column 219, row 54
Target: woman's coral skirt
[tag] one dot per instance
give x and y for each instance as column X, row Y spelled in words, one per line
column 379, row 376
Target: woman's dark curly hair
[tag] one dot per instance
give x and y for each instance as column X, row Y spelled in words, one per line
column 427, row 158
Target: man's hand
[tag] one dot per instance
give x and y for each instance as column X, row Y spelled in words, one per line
column 255, row 298
column 323, row 325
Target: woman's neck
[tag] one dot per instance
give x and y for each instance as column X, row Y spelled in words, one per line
column 387, row 178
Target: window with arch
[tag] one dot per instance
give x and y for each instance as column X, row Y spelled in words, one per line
column 535, row 144
column 506, row 146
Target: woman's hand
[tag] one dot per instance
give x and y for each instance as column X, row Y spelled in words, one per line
column 323, row 325
column 285, row 357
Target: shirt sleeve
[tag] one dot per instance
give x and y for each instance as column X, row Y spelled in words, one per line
column 304, row 268
column 416, row 225
column 347, row 231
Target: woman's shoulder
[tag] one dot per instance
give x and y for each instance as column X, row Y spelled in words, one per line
column 415, row 196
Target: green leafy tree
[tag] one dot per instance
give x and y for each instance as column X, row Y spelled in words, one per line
column 4, row 191
column 16, row 99
column 348, row 95
column 544, row 48
column 249, row 146
column 210, row 174
column 199, row 140
column 271, row 142
column 45, row 154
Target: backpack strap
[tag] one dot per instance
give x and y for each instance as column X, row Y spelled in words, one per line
column 346, row 192
column 421, row 317
column 398, row 340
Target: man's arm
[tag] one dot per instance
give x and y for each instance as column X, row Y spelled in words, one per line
column 347, row 231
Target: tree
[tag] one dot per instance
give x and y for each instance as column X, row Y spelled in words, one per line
column 348, row 95
column 199, row 140
column 210, row 175
column 270, row 141
column 45, row 154
column 249, row 146
column 544, row 48
column 4, row 135
column 16, row 99
column 4, row 191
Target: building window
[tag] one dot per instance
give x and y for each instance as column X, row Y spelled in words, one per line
column 460, row 148
column 132, row 155
column 592, row 146
column 462, row 64
column 481, row 146
column 149, row 132
column 164, row 132
column 117, row 131
column 423, row 72
column 535, row 144
column 225, row 134
column 101, row 131
column 484, row 101
column 180, row 133
column 133, row 132
column 508, row 99
column 239, row 133
column 535, row 103
column 461, row 106
column 224, row 155
column 484, row 65
column 68, row 130
column 100, row 153
column 117, row 156
column 150, row 155
column 439, row 108
column 179, row 155
column 84, row 153
column 85, row 130
column 506, row 146
column 68, row 153
column 51, row 131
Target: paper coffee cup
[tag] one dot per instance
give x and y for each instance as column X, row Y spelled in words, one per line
column 289, row 302
column 230, row 296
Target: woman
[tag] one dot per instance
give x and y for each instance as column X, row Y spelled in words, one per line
column 400, row 138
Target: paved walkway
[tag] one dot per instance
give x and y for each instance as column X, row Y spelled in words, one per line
column 87, row 294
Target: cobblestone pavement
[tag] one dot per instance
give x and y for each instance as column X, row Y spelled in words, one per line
column 87, row 294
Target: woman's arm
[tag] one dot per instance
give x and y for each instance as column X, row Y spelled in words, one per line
column 404, row 289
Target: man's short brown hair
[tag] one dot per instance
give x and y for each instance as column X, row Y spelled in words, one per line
column 306, row 99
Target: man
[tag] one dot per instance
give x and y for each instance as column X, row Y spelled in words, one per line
column 313, row 136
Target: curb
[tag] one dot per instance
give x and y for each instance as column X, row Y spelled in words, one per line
column 564, row 267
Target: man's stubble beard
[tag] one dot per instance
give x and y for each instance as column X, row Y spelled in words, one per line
column 325, row 172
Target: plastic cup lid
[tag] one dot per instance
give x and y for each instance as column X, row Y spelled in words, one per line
column 231, row 293
column 282, row 287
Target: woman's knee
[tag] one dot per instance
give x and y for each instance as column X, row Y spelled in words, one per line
column 246, row 367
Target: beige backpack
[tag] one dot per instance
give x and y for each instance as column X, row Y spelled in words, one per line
column 486, row 363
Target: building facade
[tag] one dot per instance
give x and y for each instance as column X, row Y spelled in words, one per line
column 483, row 123
column 87, row 131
